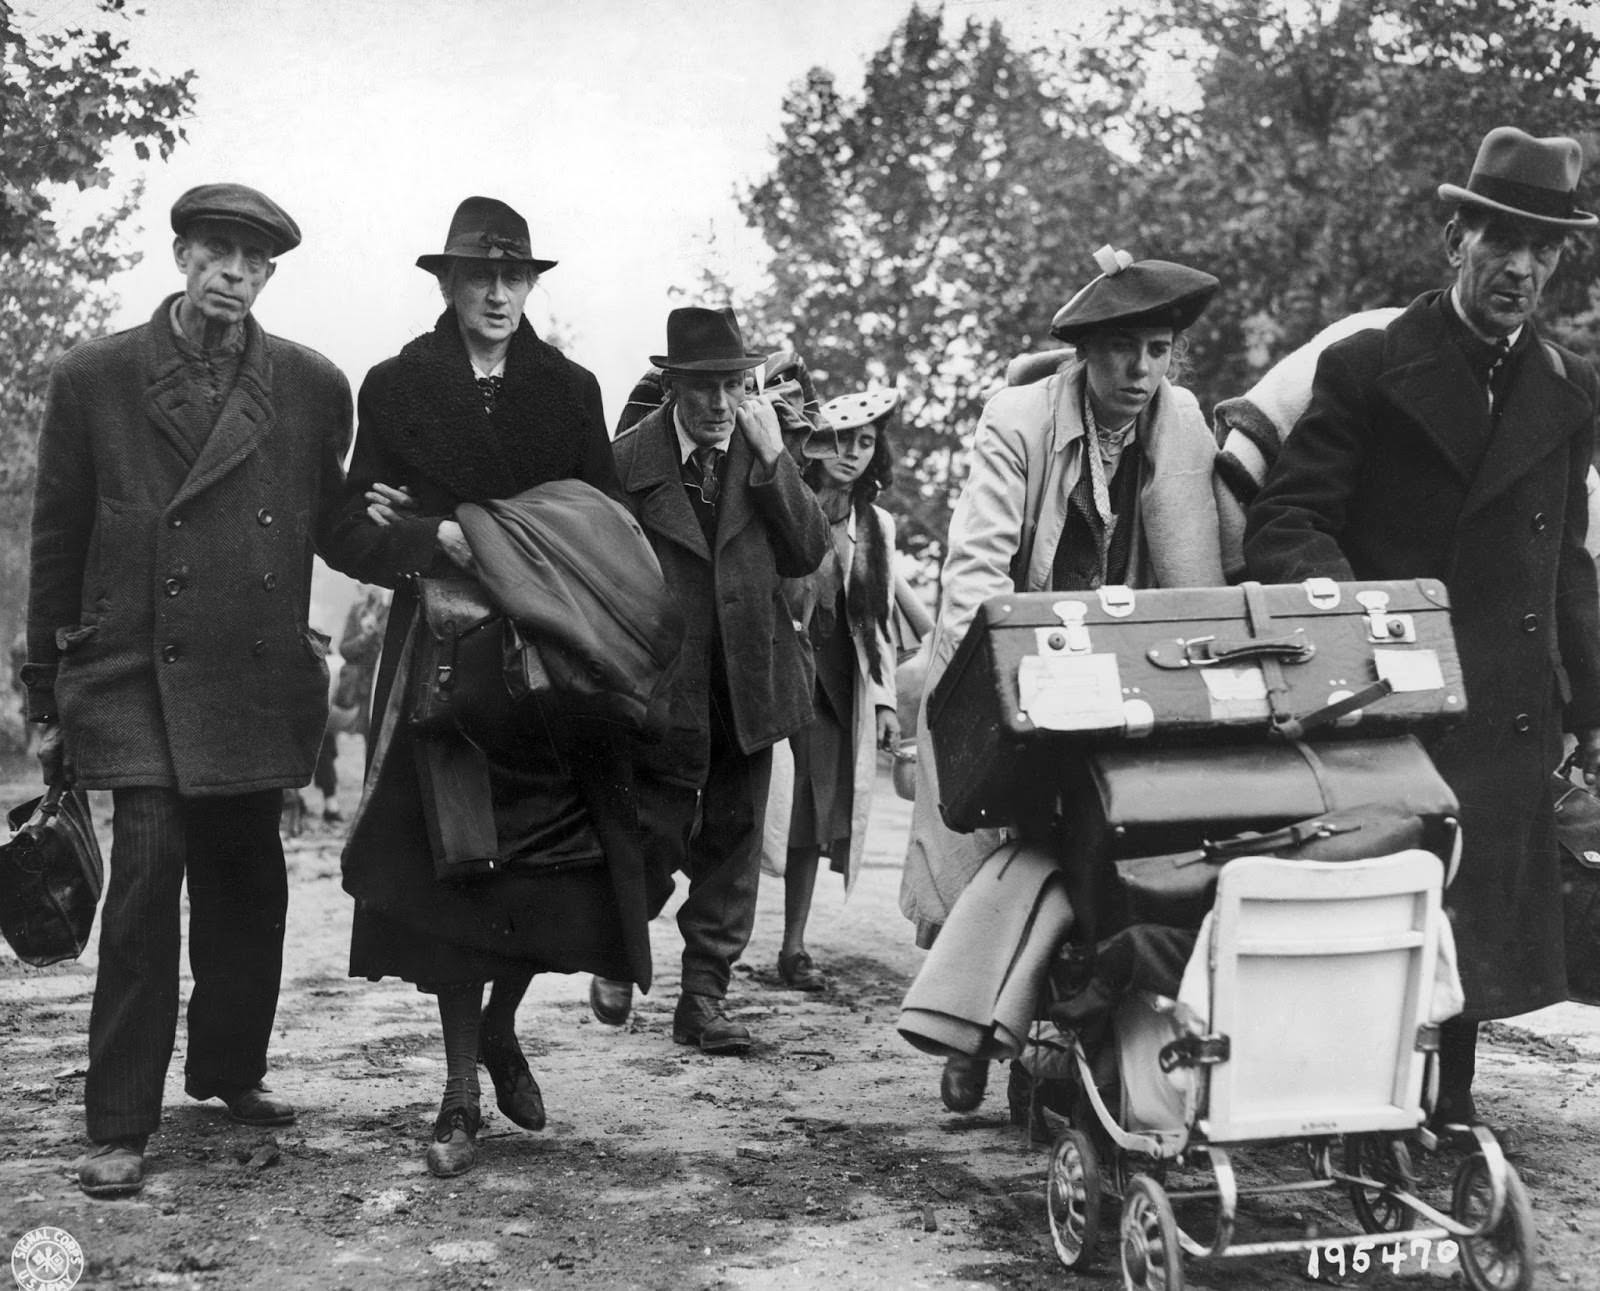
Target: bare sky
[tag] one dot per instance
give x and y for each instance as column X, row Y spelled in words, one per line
column 620, row 128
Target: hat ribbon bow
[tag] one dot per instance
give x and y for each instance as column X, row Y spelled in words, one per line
column 499, row 242
column 1111, row 261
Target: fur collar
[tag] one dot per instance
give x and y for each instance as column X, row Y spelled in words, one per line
column 433, row 416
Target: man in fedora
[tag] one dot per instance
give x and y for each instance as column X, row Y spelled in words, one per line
column 187, row 467
column 729, row 517
column 1453, row 444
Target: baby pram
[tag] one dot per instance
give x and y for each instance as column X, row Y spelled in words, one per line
column 1304, row 1016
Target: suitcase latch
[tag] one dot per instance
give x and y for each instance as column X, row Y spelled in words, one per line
column 1116, row 600
column 1381, row 625
column 1072, row 637
column 1323, row 593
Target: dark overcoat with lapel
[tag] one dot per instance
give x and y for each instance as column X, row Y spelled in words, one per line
column 769, row 527
column 169, row 591
column 1376, row 481
column 422, row 426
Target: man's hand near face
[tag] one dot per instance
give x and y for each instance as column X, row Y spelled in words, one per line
column 758, row 421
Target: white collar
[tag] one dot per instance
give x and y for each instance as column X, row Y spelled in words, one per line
column 497, row 370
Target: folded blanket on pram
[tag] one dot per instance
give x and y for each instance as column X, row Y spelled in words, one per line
column 978, row 989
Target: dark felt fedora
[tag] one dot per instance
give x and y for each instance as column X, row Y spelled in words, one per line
column 485, row 229
column 705, row 340
column 1533, row 179
column 236, row 204
column 1134, row 293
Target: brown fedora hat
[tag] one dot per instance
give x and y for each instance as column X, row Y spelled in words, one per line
column 484, row 228
column 705, row 340
column 1533, row 179
column 1134, row 293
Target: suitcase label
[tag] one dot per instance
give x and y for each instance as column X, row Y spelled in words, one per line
column 1411, row 670
column 1070, row 692
column 1236, row 694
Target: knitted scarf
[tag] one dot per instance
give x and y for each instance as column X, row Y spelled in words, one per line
column 433, row 417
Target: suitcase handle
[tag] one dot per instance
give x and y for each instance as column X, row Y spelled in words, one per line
column 1202, row 652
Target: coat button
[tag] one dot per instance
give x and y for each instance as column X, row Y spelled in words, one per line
column 264, row 516
column 1523, row 723
column 269, row 581
column 1540, row 522
column 170, row 653
column 173, row 586
column 1530, row 622
column 258, row 649
column 174, row 522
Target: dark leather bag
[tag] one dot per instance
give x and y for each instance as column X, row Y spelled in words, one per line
column 1578, row 832
column 464, row 650
column 51, row 876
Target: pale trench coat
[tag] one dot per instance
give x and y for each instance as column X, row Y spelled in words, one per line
column 870, row 695
column 1027, row 456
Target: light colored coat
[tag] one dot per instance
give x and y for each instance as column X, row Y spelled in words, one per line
column 869, row 695
column 1027, row 456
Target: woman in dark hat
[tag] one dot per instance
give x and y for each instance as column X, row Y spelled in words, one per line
column 1101, row 473
column 851, row 598
column 480, row 408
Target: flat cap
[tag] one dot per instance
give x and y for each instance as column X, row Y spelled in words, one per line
column 237, row 204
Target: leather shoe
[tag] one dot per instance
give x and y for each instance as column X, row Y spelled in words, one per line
column 964, row 1081
column 516, row 1092
column 249, row 1106
column 112, row 1169
column 611, row 1000
column 454, row 1149
column 799, row 973
column 700, row 1019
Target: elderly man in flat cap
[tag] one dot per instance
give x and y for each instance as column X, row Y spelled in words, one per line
column 187, row 467
column 1453, row 444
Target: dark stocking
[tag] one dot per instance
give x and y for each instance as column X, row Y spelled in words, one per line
column 799, row 879
column 500, row 1014
column 459, row 1007
column 1458, row 1054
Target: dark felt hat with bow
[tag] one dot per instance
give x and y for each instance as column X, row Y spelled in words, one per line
column 1532, row 179
column 1134, row 293
column 485, row 229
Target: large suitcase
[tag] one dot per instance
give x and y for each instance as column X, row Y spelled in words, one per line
column 1043, row 676
column 1153, row 802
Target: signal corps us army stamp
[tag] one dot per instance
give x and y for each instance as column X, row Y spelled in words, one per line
column 47, row 1259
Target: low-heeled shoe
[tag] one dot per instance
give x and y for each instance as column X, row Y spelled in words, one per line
column 799, row 973
column 963, row 1083
column 454, row 1149
column 611, row 1000
column 516, row 1092
column 700, row 1019
column 249, row 1106
column 112, row 1169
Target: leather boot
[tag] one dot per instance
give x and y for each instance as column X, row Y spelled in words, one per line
column 454, row 1149
column 700, row 1019
column 112, row 1169
column 963, row 1083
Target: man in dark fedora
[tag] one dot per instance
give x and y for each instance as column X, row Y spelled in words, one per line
column 729, row 516
column 1453, row 444
column 187, row 467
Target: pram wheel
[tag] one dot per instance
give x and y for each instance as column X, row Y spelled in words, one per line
column 1152, row 1260
column 1072, row 1196
column 1503, row 1258
column 1389, row 1162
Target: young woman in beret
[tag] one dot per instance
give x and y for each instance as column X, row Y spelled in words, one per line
column 1099, row 473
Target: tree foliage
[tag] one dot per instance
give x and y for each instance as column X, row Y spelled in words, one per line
column 66, row 98
column 924, row 230
column 922, row 233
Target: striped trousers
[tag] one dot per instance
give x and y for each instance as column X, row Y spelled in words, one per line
column 229, row 849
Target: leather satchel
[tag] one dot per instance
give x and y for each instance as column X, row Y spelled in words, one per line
column 1578, row 832
column 458, row 682
column 51, row 876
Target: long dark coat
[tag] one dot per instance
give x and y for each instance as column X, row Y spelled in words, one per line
column 167, row 613
column 769, row 527
column 421, row 425
column 1375, row 482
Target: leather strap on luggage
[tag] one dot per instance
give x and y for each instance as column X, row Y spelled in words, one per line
column 1258, row 619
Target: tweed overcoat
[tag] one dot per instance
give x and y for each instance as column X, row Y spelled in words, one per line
column 422, row 427
column 169, row 590
column 769, row 527
column 1372, row 483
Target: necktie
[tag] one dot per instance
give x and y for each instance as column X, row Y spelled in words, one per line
column 489, row 388
column 1500, row 350
column 705, row 463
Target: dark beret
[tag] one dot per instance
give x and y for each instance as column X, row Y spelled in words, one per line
column 1144, row 293
column 237, row 204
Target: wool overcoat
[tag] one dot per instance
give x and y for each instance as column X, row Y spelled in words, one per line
column 1375, row 481
column 423, row 427
column 769, row 527
column 168, row 599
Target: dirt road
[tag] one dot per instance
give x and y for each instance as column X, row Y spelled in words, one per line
column 823, row 1159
